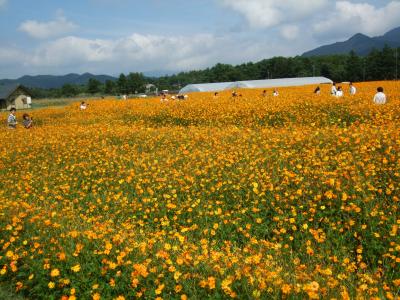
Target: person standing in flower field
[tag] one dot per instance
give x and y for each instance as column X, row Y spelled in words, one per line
column 317, row 91
column 333, row 89
column 12, row 119
column 380, row 97
column 275, row 93
column 353, row 89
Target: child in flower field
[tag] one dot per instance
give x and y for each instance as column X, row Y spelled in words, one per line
column 353, row 89
column 164, row 98
column 27, row 121
column 12, row 119
column 317, row 91
column 264, row 93
column 339, row 92
column 380, row 97
column 83, row 105
column 275, row 93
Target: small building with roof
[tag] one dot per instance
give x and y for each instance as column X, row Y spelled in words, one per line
column 14, row 95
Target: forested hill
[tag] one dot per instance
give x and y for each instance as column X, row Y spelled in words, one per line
column 360, row 44
column 51, row 81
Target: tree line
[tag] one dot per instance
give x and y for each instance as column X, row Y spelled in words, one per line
column 377, row 65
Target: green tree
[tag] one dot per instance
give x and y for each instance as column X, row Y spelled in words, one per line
column 373, row 65
column 122, row 84
column 93, row 86
column 354, row 67
column 109, row 87
column 135, row 83
column 397, row 68
column 223, row 73
column 388, row 63
column 326, row 70
column 69, row 90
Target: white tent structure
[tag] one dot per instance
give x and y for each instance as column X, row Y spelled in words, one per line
column 254, row 84
column 280, row 82
column 205, row 87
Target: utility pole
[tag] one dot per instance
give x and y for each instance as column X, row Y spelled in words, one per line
column 313, row 70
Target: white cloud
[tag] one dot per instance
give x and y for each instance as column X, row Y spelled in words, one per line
column 136, row 51
column 290, row 32
column 43, row 30
column 11, row 56
column 139, row 52
column 349, row 18
column 270, row 13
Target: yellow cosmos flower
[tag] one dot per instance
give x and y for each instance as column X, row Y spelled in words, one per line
column 76, row 268
column 55, row 273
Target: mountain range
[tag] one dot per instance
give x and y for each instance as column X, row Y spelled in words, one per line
column 52, row 81
column 360, row 43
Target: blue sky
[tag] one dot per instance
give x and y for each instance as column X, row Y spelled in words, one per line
column 114, row 36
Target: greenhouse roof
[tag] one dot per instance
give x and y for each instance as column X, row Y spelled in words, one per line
column 267, row 83
column 281, row 82
column 205, row 87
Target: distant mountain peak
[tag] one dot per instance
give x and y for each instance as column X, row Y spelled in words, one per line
column 359, row 37
column 393, row 34
column 359, row 43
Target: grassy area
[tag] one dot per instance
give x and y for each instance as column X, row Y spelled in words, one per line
column 51, row 102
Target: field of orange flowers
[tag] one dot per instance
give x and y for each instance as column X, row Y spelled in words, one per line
column 295, row 196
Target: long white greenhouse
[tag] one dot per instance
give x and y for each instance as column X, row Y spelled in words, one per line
column 253, row 84
column 205, row 87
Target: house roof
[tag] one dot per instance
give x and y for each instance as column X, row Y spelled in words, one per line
column 7, row 89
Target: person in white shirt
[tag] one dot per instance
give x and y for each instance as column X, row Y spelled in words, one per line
column 333, row 89
column 164, row 98
column 83, row 105
column 380, row 97
column 12, row 120
column 353, row 89
column 339, row 92
column 275, row 93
